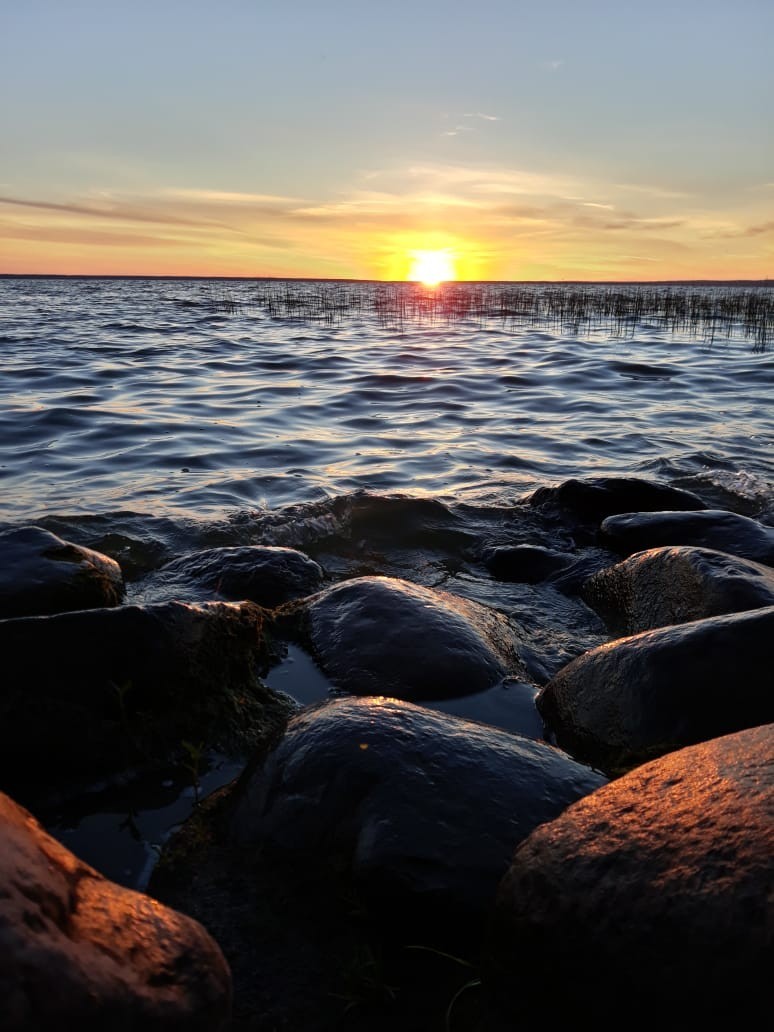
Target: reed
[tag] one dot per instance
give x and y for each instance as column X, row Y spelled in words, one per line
column 709, row 312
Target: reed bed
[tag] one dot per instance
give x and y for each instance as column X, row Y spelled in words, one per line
column 708, row 312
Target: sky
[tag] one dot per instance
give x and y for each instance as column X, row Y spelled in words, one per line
column 551, row 140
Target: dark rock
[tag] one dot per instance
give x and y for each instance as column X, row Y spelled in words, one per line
column 713, row 528
column 640, row 697
column 593, row 499
column 675, row 585
column 42, row 574
column 423, row 809
column 651, row 896
column 374, row 519
column 79, row 952
column 259, row 573
column 526, row 564
column 97, row 691
column 384, row 636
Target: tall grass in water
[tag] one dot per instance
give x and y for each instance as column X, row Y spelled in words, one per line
column 710, row 312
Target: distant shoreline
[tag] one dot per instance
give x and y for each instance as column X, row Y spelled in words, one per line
column 342, row 279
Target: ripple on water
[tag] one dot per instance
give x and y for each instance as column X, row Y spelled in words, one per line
column 128, row 382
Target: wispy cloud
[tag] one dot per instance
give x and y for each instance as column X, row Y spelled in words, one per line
column 457, row 130
column 650, row 190
column 106, row 210
column 481, row 115
column 227, row 196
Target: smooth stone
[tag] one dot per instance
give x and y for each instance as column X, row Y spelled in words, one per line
column 80, row 952
column 651, row 896
column 713, row 528
column 41, row 574
column 423, row 809
column 637, row 698
column 593, row 499
column 263, row 574
column 665, row 586
column 97, row 691
column 525, row 564
column 385, row 636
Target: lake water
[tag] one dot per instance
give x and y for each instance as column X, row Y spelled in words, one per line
column 137, row 395
column 148, row 418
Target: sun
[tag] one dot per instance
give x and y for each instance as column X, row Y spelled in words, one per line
column 431, row 267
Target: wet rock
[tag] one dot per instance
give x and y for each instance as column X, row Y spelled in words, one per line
column 652, row 895
column 373, row 519
column 423, row 809
column 525, row 564
column 263, row 574
column 591, row 500
column 81, row 952
column 385, row 636
column 98, row 691
column 640, row 697
column 713, row 528
column 42, row 574
column 675, row 585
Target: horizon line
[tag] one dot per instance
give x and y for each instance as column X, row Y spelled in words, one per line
column 354, row 279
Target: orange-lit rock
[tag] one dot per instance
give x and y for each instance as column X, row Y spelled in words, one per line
column 79, row 952
column 650, row 897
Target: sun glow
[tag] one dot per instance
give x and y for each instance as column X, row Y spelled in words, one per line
column 431, row 267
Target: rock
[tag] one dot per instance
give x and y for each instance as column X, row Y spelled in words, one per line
column 640, row 697
column 526, row 564
column 385, row 636
column 97, row 691
column 675, row 585
column 263, row 574
column 713, row 528
column 652, row 896
column 593, row 499
column 423, row 809
column 42, row 574
column 79, row 952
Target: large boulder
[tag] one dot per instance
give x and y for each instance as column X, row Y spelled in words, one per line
column 591, row 500
column 98, row 691
column 675, row 585
column 42, row 574
column 386, row 636
column 713, row 528
column 79, row 952
column 264, row 574
column 640, row 697
column 652, row 896
column 422, row 809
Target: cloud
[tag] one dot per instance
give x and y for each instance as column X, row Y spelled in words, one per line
column 457, row 130
column 101, row 211
column 480, row 114
column 227, row 196
column 77, row 235
column 650, row 190
column 552, row 65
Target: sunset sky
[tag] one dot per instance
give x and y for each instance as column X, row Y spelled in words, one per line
column 541, row 140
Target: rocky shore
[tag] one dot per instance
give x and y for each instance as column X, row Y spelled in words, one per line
column 599, row 847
